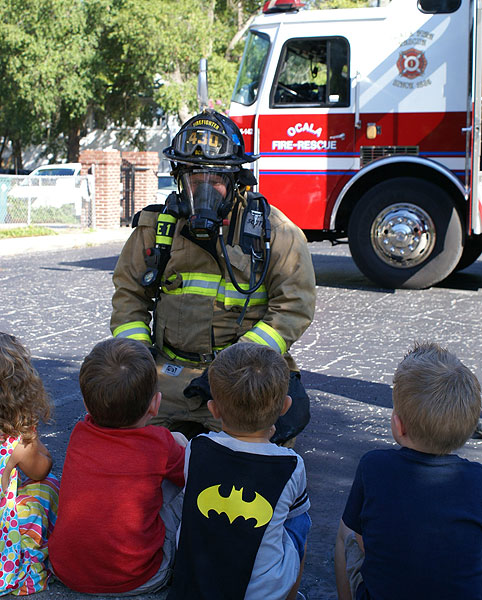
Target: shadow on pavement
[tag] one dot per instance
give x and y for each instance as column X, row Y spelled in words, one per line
column 106, row 263
column 469, row 279
column 341, row 272
column 368, row 392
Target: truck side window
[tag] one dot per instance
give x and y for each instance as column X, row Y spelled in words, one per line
column 438, row 6
column 313, row 72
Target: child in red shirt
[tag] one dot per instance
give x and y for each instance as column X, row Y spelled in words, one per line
column 121, row 490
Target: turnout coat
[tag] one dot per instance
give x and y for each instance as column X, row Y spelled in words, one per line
column 198, row 309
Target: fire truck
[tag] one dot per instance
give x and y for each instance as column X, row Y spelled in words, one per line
column 367, row 126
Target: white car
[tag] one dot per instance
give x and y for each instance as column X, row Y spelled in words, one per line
column 52, row 186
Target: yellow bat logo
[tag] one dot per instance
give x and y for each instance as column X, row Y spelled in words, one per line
column 234, row 506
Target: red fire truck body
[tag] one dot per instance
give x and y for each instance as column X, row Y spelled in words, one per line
column 367, row 126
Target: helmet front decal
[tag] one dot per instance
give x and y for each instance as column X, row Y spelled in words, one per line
column 203, row 142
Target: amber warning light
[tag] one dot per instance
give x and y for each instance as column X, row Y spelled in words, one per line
column 277, row 6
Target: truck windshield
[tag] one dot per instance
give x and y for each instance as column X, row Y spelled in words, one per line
column 251, row 69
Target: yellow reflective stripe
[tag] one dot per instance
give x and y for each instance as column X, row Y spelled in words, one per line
column 229, row 295
column 205, row 284
column 135, row 329
column 266, row 335
column 173, row 356
column 142, row 337
column 201, row 277
column 201, row 284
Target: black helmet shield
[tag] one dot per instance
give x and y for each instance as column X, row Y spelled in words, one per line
column 208, row 152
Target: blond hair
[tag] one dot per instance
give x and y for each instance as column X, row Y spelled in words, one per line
column 436, row 397
column 23, row 399
column 249, row 383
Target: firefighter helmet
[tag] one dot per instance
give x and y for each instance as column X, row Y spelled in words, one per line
column 209, row 139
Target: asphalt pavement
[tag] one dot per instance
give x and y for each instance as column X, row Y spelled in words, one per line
column 55, row 295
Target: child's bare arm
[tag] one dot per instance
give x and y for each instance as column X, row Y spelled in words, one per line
column 34, row 460
column 342, row 583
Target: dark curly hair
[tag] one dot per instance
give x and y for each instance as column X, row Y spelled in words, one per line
column 23, row 399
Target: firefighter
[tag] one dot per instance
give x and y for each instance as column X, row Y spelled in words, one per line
column 215, row 266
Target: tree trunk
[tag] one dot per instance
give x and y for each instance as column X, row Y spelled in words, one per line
column 183, row 111
column 4, row 143
column 73, row 144
column 17, row 155
column 239, row 34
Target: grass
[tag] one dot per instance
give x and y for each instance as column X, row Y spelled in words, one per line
column 18, row 212
column 32, row 230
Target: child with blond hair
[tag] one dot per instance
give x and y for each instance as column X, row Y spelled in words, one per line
column 27, row 509
column 245, row 517
column 412, row 525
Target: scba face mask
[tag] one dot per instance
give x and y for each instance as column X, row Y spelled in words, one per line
column 209, row 195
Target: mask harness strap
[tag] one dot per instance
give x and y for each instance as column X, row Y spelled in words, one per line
column 255, row 223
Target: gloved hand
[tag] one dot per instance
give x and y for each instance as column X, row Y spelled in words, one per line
column 199, row 386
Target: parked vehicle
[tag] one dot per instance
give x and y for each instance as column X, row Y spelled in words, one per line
column 165, row 185
column 367, row 123
column 52, row 186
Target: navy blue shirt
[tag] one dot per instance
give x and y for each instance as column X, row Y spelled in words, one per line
column 420, row 516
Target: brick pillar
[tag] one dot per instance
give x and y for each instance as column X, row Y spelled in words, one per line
column 106, row 169
column 145, row 186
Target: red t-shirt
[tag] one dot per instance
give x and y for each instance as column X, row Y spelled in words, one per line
column 108, row 536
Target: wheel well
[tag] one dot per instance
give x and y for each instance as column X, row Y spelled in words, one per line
column 391, row 171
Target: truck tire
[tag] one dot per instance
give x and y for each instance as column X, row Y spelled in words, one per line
column 405, row 233
column 471, row 252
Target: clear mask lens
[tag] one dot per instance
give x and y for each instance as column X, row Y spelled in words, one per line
column 205, row 190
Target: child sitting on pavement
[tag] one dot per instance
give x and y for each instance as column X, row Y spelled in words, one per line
column 27, row 508
column 118, row 511
column 245, row 522
column 412, row 525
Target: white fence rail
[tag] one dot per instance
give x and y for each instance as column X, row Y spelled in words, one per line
column 50, row 201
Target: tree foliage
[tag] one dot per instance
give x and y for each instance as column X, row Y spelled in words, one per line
column 67, row 63
column 41, row 48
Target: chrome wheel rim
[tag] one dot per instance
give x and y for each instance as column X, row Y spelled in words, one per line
column 403, row 235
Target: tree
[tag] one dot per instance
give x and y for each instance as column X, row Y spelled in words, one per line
column 213, row 31
column 122, row 62
column 40, row 42
column 65, row 60
column 119, row 69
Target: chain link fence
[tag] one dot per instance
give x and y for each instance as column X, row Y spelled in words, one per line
column 65, row 201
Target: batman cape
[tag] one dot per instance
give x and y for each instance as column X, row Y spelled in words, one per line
column 229, row 500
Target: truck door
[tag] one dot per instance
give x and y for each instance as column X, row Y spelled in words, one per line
column 306, row 129
column 475, row 166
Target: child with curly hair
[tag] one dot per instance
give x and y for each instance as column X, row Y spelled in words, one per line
column 27, row 509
